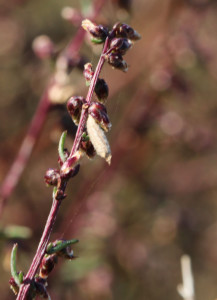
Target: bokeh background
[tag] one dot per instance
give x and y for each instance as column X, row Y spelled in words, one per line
column 158, row 199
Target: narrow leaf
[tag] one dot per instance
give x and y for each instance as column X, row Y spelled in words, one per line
column 61, row 146
column 60, row 246
column 97, row 41
column 14, row 265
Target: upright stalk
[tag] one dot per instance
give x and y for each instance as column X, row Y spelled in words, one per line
column 24, row 288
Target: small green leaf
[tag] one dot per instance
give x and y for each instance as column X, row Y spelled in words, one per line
column 85, row 137
column 61, row 146
column 14, row 265
column 97, row 41
column 60, row 246
column 20, row 277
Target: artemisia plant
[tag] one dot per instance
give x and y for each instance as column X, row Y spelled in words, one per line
column 92, row 121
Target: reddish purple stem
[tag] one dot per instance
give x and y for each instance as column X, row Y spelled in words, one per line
column 56, row 203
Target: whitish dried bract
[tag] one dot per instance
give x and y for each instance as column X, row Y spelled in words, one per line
column 98, row 139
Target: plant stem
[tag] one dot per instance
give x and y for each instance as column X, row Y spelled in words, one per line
column 56, row 203
column 83, row 117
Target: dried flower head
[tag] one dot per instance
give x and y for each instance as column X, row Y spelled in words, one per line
column 98, row 32
column 52, row 177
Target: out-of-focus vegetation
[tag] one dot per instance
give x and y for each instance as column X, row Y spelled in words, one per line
column 158, row 200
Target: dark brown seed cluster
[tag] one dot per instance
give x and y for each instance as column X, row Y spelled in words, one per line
column 122, row 36
column 47, row 265
column 125, row 31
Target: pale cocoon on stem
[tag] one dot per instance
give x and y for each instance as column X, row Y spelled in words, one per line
column 98, row 139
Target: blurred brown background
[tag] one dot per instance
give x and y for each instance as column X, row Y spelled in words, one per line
column 158, row 200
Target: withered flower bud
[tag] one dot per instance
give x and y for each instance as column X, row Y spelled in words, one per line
column 98, row 32
column 70, row 167
column 121, row 45
column 116, row 61
column 47, row 264
column 87, row 146
column 99, row 113
column 52, row 177
column 125, row 31
column 74, row 106
column 71, row 173
column 88, row 72
column 101, row 90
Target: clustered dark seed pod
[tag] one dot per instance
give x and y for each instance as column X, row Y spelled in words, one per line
column 52, row 177
column 74, row 106
column 101, row 90
column 116, row 60
column 99, row 113
column 125, row 31
column 88, row 73
column 87, row 146
column 40, row 288
column 47, row 264
column 98, row 32
column 121, row 45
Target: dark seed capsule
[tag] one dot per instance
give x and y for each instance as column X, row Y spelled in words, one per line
column 125, row 31
column 121, row 45
column 99, row 113
column 47, row 265
column 51, row 177
column 87, row 146
column 40, row 286
column 74, row 106
column 101, row 90
column 116, row 61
